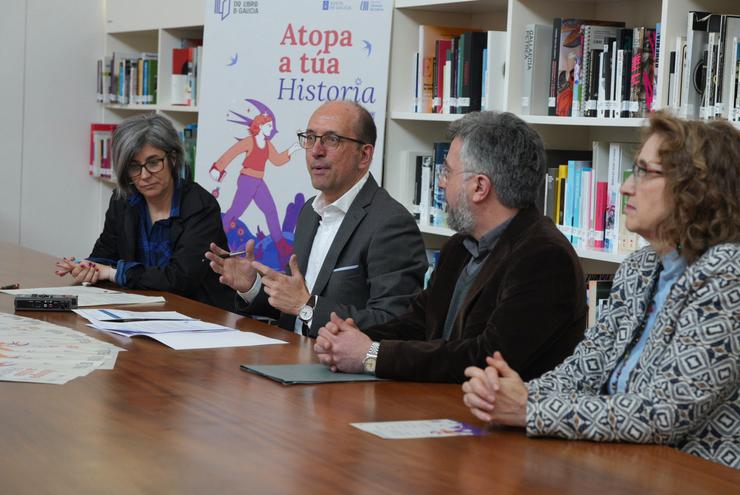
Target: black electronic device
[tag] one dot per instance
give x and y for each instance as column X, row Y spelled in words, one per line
column 45, row 302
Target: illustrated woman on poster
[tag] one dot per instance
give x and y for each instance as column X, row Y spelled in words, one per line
column 258, row 150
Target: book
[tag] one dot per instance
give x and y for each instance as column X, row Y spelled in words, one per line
column 181, row 90
column 694, row 67
column 730, row 31
column 537, row 39
column 471, row 63
column 495, row 71
column 439, row 201
column 100, row 141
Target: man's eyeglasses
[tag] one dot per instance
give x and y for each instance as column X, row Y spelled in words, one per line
column 152, row 165
column 328, row 140
column 446, row 173
column 640, row 173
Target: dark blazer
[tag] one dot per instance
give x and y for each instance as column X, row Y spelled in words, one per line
column 198, row 225
column 374, row 267
column 528, row 301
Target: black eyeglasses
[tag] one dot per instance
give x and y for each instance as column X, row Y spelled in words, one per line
column 639, row 172
column 152, row 165
column 328, row 140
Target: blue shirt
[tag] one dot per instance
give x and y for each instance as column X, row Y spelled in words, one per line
column 673, row 268
column 153, row 245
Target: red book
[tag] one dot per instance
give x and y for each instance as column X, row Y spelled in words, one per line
column 442, row 47
column 98, row 133
column 600, row 214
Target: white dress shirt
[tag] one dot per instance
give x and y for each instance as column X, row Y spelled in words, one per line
column 332, row 215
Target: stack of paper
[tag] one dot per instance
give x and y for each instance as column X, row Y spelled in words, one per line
column 171, row 328
column 40, row 352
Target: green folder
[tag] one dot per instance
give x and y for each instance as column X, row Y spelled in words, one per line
column 290, row 374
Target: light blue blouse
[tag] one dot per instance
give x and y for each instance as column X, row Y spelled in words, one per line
column 673, row 267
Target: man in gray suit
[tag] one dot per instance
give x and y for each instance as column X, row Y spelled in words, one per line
column 360, row 250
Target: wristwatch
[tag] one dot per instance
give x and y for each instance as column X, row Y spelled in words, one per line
column 371, row 358
column 305, row 314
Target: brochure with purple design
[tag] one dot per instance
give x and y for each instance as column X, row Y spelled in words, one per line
column 429, row 428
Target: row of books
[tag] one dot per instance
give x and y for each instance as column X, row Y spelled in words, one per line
column 187, row 62
column 597, row 69
column 429, row 204
column 581, row 195
column 704, row 68
column 127, row 78
column 100, row 158
column 459, row 71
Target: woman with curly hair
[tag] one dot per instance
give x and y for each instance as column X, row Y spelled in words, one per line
column 662, row 364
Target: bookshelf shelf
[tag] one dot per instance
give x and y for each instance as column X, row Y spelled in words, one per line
column 593, row 254
column 132, row 108
column 434, row 230
column 425, row 117
column 178, row 108
column 456, row 6
column 582, row 121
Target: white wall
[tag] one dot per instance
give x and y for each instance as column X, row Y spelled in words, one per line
column 48, row 201
column 12, row 51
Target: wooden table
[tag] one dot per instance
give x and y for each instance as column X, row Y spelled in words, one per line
column 166, row 421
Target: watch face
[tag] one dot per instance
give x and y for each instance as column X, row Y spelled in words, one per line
column 305, row 313
column 369, row 364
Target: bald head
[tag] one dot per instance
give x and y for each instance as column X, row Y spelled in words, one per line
column 363, row 125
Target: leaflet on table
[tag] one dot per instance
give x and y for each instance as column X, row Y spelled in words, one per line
column 157, row 326
column 429, row 428
column 91, row 296
column 111, row 314
column 207, row 340
column 40, row 352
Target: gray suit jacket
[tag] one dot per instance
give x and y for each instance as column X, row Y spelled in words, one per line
column 374, row 267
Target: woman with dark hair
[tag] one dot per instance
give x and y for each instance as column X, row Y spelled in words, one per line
column 158, row 224
column 662, row 364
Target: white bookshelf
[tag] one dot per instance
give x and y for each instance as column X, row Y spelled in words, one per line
column 407, row 130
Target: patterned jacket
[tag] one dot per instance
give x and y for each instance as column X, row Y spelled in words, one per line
column 683, row 392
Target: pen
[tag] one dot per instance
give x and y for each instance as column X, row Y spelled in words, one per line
column 11, row 286
column 230, row 255
column 235, row 253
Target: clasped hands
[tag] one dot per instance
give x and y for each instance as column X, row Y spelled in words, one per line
column 85, row 272
column 341, row 345
column 286, row 293
column 496, row 394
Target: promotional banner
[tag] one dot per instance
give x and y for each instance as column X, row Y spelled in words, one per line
column 267, row 65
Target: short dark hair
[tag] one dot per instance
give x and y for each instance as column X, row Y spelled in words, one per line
column 132, row 134
column 701, row 165
column 507, row 150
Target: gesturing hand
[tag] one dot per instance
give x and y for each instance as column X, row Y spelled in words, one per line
column 496, row 394
column 287, row 293
column 236, row 272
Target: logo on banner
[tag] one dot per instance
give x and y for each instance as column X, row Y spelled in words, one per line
column 222, row 7
column 371, row 5
column 335, row 5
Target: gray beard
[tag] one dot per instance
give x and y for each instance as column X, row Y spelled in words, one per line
column 460, row 218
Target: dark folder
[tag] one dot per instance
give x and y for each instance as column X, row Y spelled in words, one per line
column 290, row 374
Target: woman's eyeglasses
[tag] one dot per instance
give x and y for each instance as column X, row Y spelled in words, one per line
column 152, row 165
